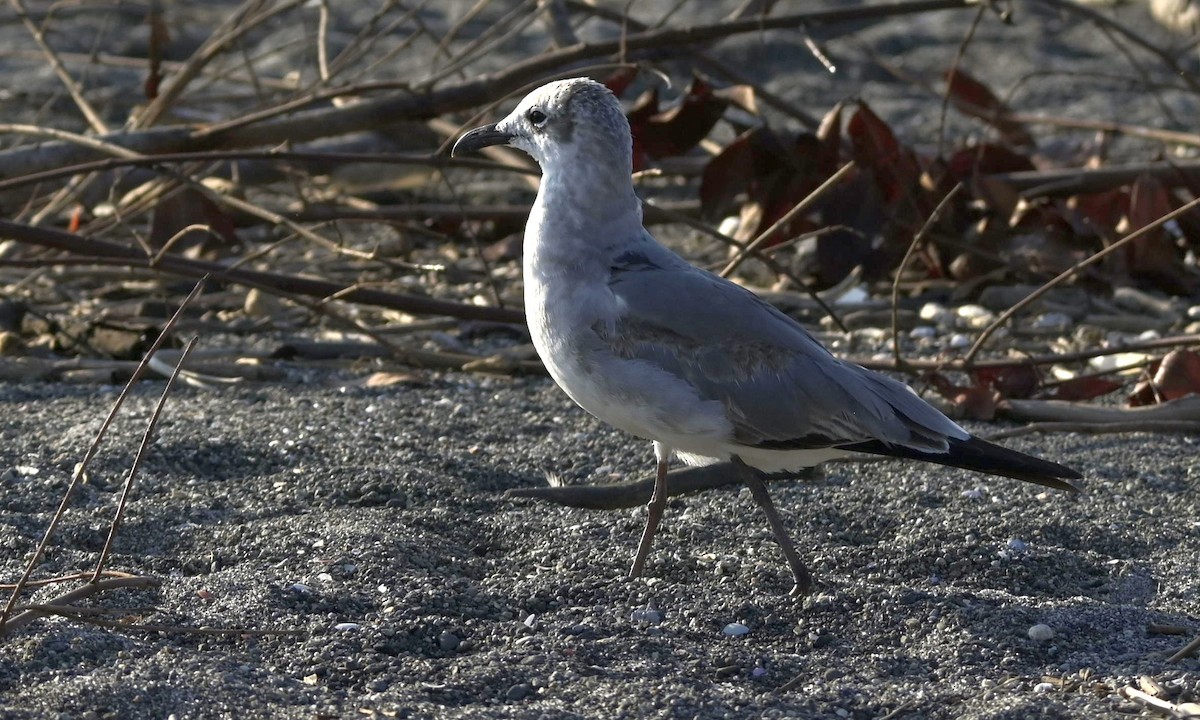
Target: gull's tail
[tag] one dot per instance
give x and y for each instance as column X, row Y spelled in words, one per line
column 982, row 456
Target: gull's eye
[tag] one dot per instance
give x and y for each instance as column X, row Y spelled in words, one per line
column 536, row 117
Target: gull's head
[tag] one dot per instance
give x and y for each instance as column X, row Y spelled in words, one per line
column 562, row 123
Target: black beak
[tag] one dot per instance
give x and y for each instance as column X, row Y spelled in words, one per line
column 478, row 139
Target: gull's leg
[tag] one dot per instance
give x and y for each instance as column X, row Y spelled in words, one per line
column 654, row 509
column 758, row 490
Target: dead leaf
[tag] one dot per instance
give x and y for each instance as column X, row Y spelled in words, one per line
column 160, row 37
column 1154, row 257
column 387, row 379
column 620, row 80
column 1097, row 214
column 975, row 402
column 740, row 169
column 1017, row 381
column 986, row 159
column 191, row 207
column 1083, row 388
column 1177, row 375
column 875, row 146
column 676, row 130
column 973, row 98
column 741, row 96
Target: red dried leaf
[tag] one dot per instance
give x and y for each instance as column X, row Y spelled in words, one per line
column 1083, row 388
column 871, row 137
column 160, row 37
column 855, row 209
column 974, row 98
column 76, row 221
column 986, row 158
column 975, row 402
column 677, row 130
column 1019, row 380
column 741, row 167
column 1148, row 201
column 644, row 108
column 1098, row 213
column 875, row 146
column 190, row 207
column 741, row 96
column 1178, row 374
column 620, row 80
column 829, row 133
column 1154, row 256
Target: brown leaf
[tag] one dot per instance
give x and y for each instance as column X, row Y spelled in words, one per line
column 1178, row 374
column 385, row 379
column 1098, row 213
column 678, row 129
column 1019, row 380
column 986, row 158
column 974, row 98
column 1083, row 388
column 875, row 146
column 975, row 402
column 1154, row 256
column 620, row 80
column 739, row 168
column 741, row 96
column 160, row 37
column 829, row 133
column 190, row 207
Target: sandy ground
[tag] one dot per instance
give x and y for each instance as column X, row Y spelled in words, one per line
column 373, row 523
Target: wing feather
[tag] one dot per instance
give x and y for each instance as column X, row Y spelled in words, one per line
column 781, row 388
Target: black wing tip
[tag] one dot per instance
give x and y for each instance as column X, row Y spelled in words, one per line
column 1000, row 460
column 983, row 456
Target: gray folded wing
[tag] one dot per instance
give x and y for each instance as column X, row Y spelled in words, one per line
column 781, row 388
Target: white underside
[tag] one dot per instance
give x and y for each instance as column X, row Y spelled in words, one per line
column 769, row 461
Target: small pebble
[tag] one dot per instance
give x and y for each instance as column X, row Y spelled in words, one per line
column 922, row 332
column 647, row 615
column 1052, row 321
column 975, row 316
column 933, row 311
column 1017, row 545
column 959, row 341
column 347, row 626
column 448, row 641
column 518, row 692
column 1193, row 312
column 853, row 296
column 1043, row 687
column 735, row 629
column 974, row 494
column 1041, row 633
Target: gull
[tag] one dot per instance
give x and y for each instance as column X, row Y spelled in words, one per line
column 702, row 367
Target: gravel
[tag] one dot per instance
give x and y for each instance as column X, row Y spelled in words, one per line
column 267, row 508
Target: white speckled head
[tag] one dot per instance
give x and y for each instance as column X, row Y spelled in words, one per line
column 577, row 122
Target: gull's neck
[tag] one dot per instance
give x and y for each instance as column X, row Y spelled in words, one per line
column 585, row 205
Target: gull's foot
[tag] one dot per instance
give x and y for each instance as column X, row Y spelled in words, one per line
column 803, row 581
column 802, row 589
